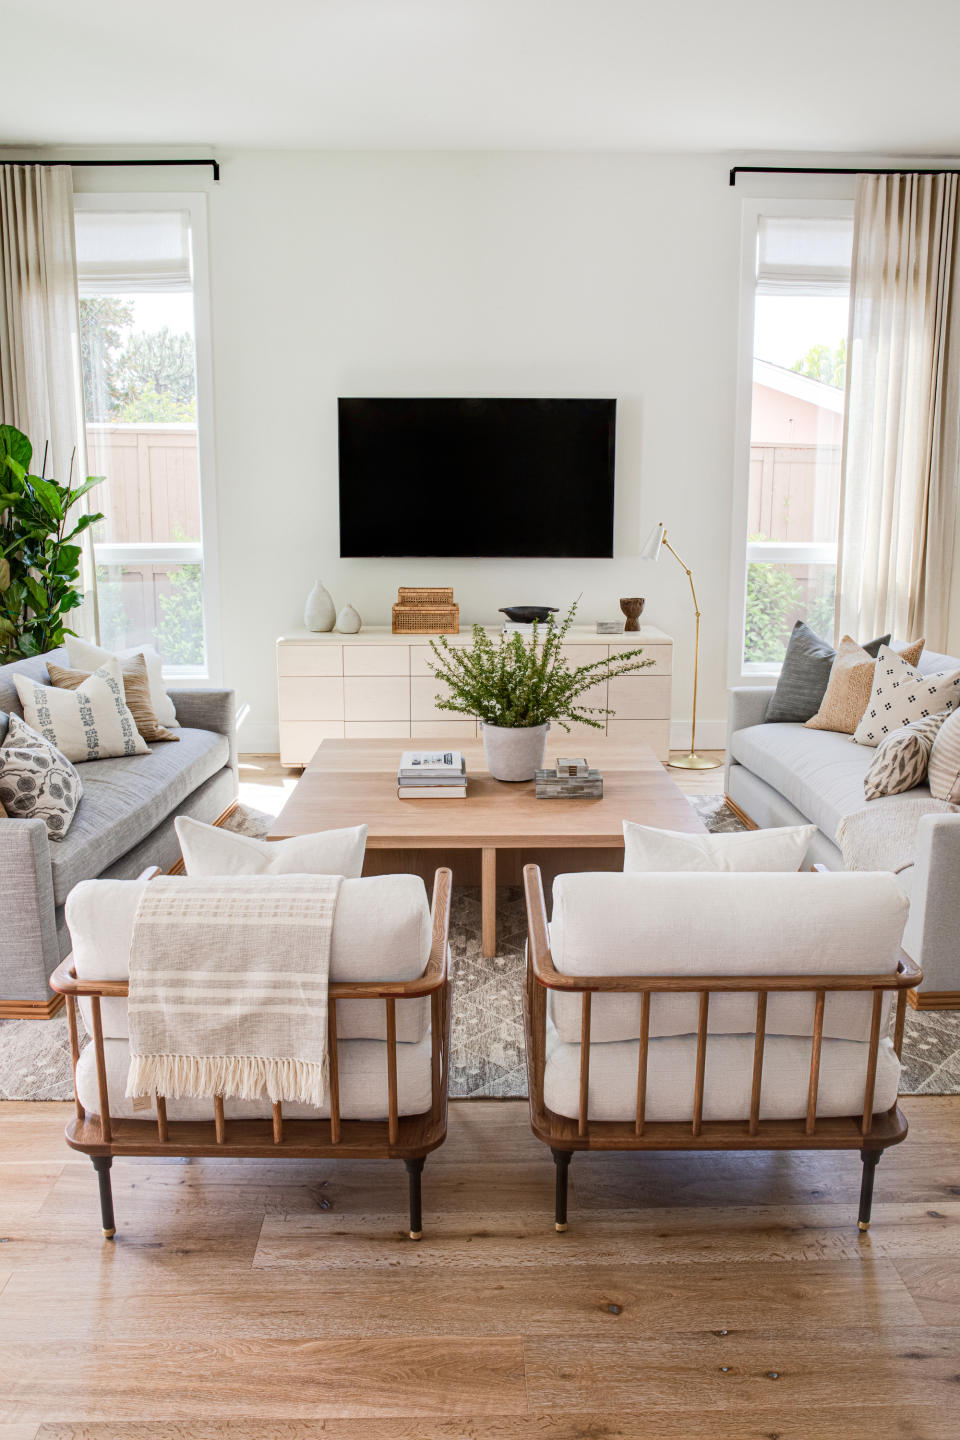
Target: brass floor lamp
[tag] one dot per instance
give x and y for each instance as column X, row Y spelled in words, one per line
column 651, row 551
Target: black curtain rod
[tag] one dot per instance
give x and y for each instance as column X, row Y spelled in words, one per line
column 214, row 164
column 831, row 170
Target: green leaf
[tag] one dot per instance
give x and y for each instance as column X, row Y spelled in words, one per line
column 39, row 600
column 67, row 560
column 88, row 484
column 15, row 448
column 48, row 495
column 4, row 574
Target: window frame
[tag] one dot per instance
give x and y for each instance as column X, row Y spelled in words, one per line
column 742, row 550
column 205, row 553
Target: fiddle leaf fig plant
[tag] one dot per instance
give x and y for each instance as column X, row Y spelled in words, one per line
column 39, row 553
column 521, row 681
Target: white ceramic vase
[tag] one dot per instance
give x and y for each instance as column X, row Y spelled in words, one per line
column 514, row 754
column 319, row 612
column 348, row 621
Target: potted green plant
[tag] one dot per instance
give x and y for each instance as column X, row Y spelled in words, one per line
column 517, row 686
column 39, row 556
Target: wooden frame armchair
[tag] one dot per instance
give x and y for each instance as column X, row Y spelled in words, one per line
column 866, row 1132
column 402, row 1137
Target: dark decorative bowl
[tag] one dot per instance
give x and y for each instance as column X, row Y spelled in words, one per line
column 524, row 614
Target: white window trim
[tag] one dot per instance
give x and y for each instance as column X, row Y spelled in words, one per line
column 206, row 553
column 739, row 671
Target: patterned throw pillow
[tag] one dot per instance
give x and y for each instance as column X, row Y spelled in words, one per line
column 36, row 781
column 901, row 696
column 850, row 685
column 943, row 773
column 901, row 760
column 136, row 693
column 89, row 723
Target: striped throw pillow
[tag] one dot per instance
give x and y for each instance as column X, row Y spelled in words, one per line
column 901, row 760
column 944, row 770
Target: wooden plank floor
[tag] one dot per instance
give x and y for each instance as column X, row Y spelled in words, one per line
column 725, row 1296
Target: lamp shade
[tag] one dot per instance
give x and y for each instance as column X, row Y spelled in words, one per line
column 651, row 551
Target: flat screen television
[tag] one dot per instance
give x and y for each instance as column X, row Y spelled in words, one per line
column 477, row 477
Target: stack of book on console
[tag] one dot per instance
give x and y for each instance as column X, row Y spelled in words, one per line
column 432, row 775
column 571, row 779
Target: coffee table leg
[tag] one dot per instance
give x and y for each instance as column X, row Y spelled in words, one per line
column 488, row 902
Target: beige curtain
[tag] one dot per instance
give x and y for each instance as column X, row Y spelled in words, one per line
column 901, row 458
column 41, row 386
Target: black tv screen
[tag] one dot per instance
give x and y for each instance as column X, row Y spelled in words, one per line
column 477, row 477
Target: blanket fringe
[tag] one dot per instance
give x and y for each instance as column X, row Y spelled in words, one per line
column 240, row 1077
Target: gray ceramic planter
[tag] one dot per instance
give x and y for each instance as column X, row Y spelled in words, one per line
column 514, row 754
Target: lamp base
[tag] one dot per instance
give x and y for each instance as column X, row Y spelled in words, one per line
column 693, row 761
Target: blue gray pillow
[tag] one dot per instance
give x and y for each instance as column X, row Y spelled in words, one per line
column 804, row 676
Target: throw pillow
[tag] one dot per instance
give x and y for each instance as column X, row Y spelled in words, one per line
column 943, row 774
column 36, row 781
column 136, row 693
column 805, row 674
column 851, row 681
column 901, row 760
column 211, row 850
column 901, row 695
column 90, row 723
column 747, row 850
column 84, row 656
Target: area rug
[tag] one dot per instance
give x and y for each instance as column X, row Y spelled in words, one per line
column 486, row 1049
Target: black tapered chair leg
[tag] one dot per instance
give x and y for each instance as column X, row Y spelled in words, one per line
column 102, row 1163
column 871, row 1159
column 561, row 1158
column 414, row 1172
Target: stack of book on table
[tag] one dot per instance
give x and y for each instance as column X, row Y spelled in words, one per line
column 432, row 775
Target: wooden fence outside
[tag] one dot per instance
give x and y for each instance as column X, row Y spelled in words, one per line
column 152, row 489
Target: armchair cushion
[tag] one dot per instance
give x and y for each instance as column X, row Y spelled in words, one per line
column 723, row 924
column 647, row 849
column 381, row 931
column 728, row 1076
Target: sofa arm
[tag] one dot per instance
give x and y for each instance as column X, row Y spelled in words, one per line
column 747, row 705
column 29, row 950
column 933, row 925
column 209, row 710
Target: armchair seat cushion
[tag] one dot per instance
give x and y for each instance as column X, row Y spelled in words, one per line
column 363, row 1086
column 820, row 772
column 126, row 798
column 671, row 1070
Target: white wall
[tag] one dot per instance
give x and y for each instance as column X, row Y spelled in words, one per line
column 468, row 274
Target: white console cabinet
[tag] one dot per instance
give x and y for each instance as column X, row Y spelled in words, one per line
column 378, row 685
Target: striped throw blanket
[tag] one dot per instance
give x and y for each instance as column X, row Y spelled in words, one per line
column 228, row 987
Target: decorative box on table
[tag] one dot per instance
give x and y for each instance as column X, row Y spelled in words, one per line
column 426, row 610
column 569, row 780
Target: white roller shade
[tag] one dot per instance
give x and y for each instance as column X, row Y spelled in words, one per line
column 125, row 251
column 804, row 257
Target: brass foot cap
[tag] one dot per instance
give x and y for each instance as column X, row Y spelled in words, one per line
column 558, row 1226
column 416, row 1234
column 109, row 1234
column 863, row 1224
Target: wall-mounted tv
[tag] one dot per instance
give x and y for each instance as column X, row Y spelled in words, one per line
column 477, row 477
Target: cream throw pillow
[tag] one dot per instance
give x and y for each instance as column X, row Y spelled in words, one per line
column 211, row 850
column 89, row 723
column 748, row 850
column 943, row 772
column 851, row 681
column 901, row 761
column 901, row 696
column 84, row 656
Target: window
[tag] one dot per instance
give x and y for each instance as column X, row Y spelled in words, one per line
column 136, row 272
column 798, row 311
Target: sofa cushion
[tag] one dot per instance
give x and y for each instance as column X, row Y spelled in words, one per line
column 820, row 772
column 646, row 849
column 214, row 850
column 943, row 775
column 34, row 669
column 124, row 799
column 671, row 1070
column 381, row 931
column 901, row 694
column 36, row 781
column 805, row 674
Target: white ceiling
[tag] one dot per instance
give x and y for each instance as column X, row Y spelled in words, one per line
column 822, row 75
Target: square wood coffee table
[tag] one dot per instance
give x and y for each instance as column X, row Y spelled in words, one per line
column 498, row 829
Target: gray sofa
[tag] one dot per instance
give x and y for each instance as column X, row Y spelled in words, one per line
column 123, row 823
column 782, row 774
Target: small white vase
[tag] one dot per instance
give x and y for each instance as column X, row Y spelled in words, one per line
column 319, row 612
column 514, row 754
column 348, row 621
